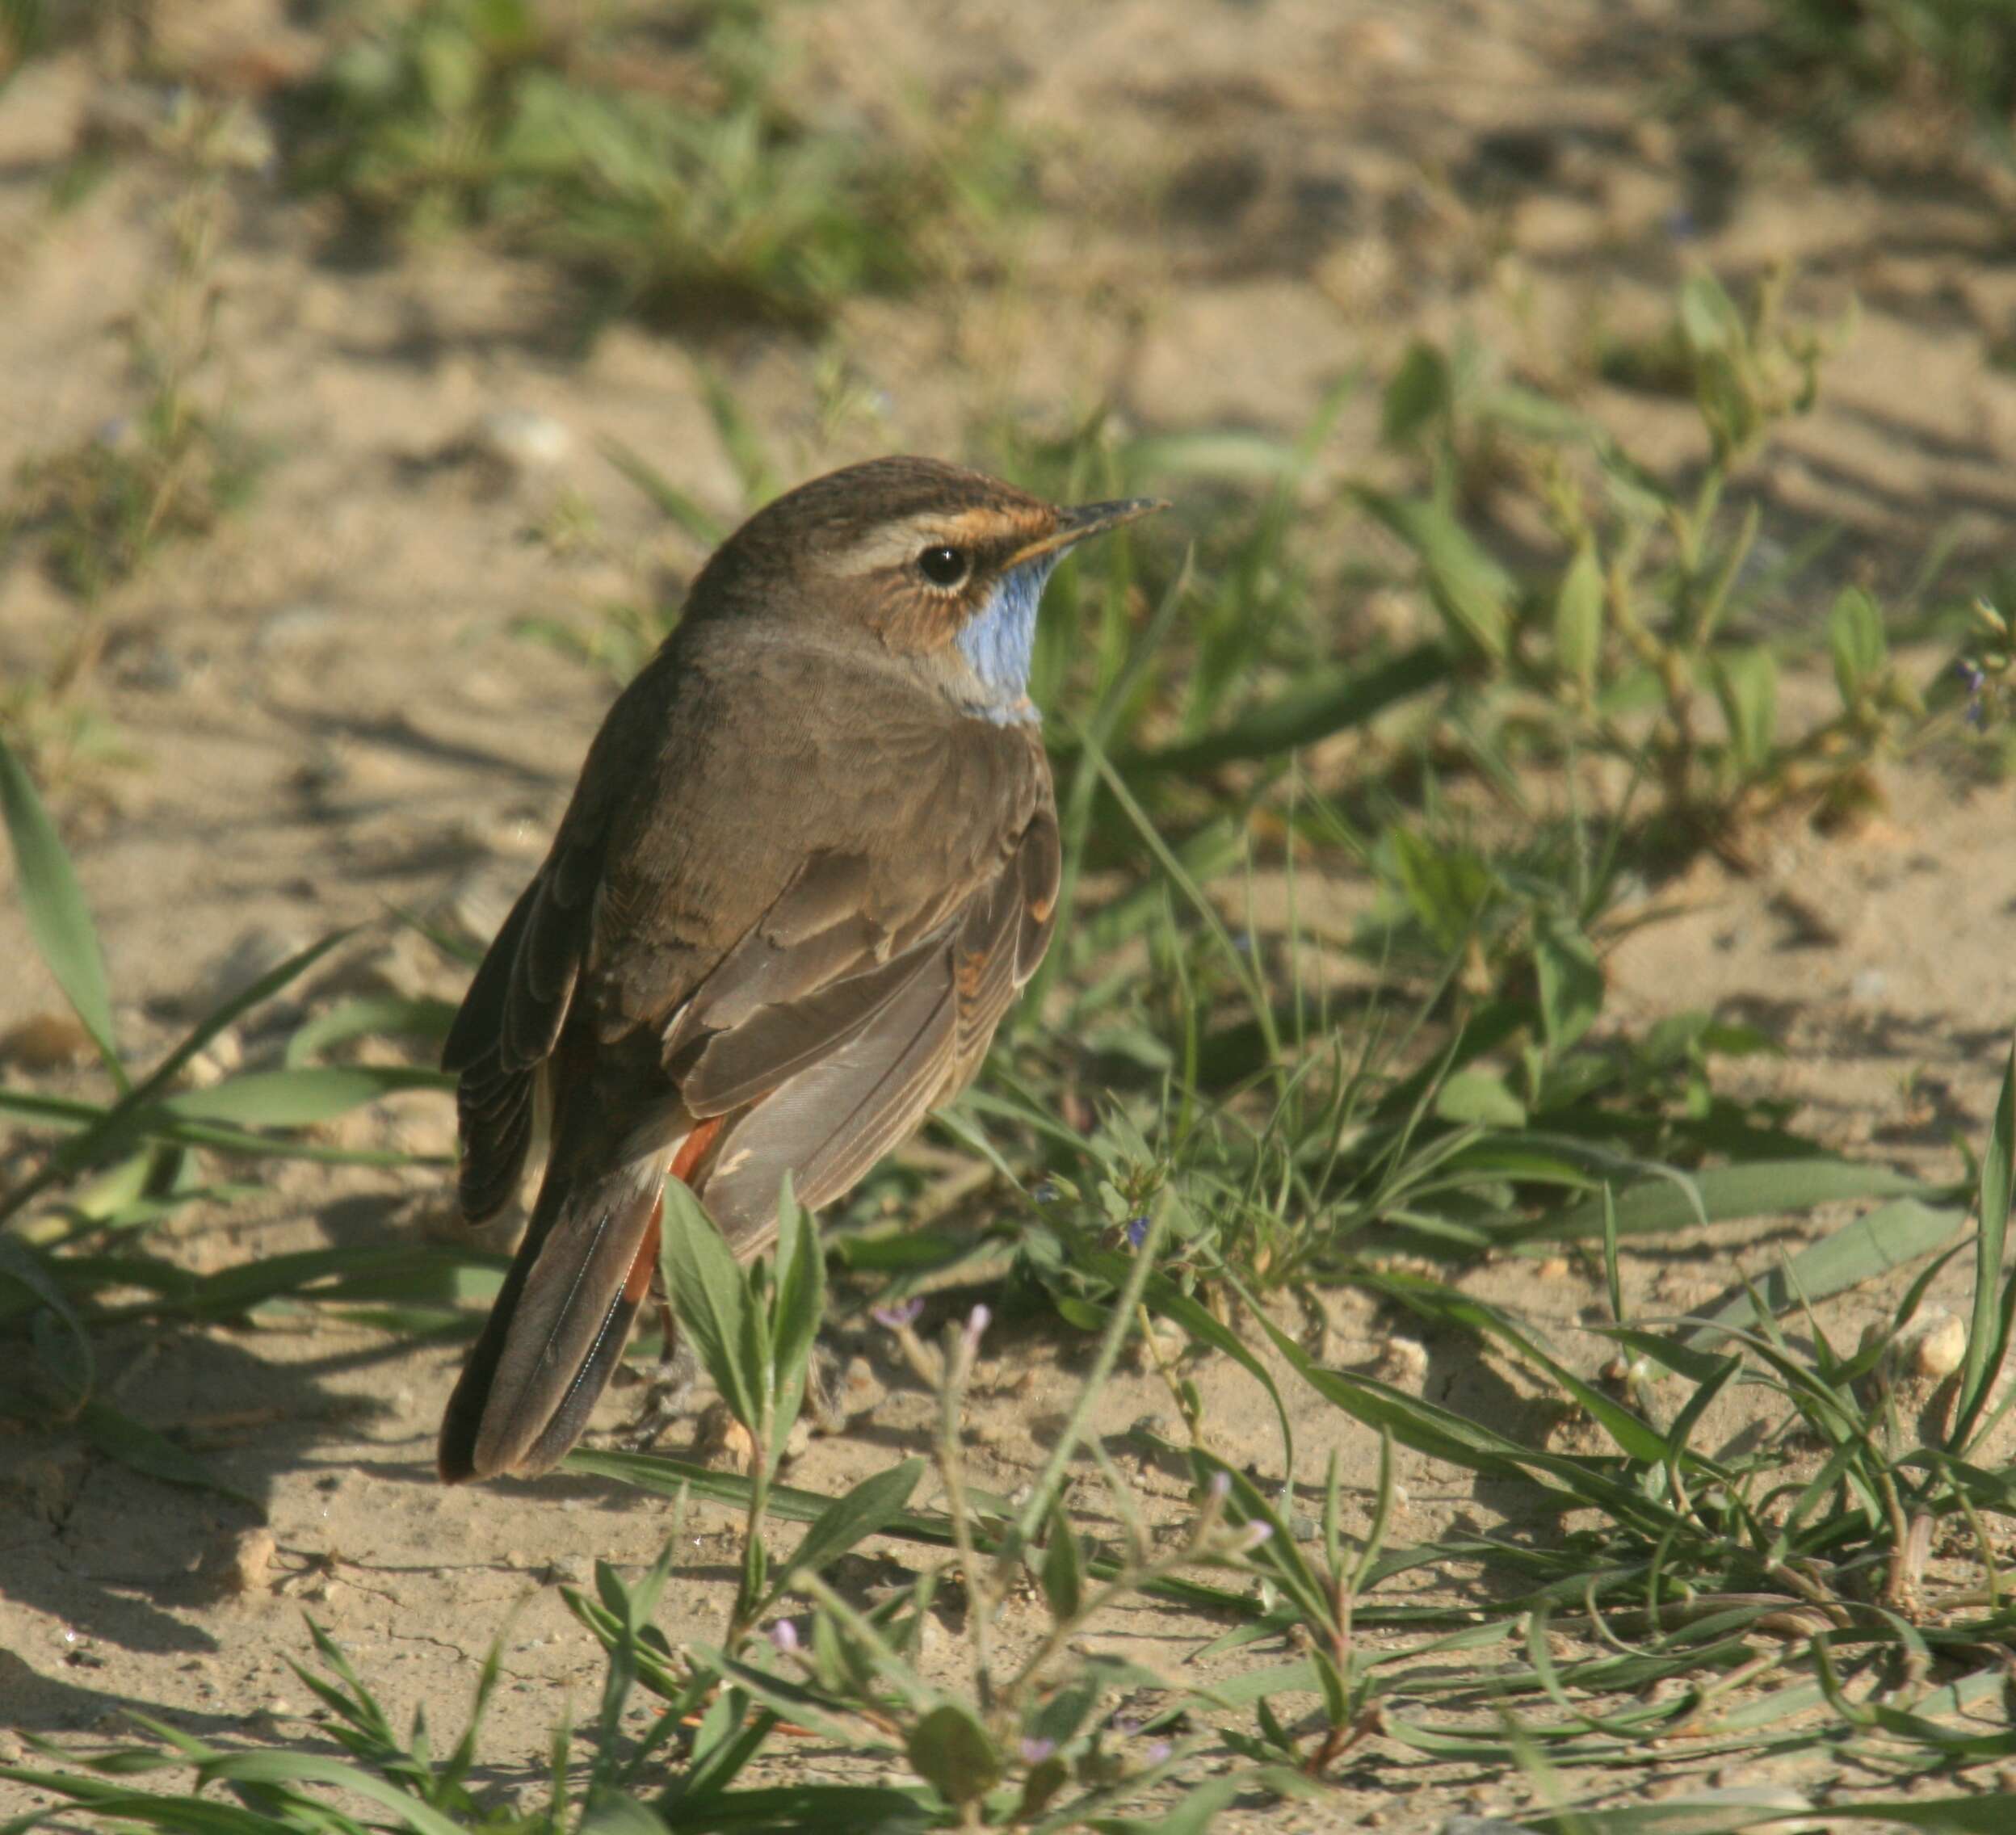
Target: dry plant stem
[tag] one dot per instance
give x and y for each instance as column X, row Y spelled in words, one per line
column 1166, row 1368
column 1051, row 1478
column 983, row 1593
column 924, row 1362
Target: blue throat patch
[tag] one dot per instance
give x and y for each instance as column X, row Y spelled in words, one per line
column 1000, row 640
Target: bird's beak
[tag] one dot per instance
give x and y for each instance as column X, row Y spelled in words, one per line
column 1085, row 519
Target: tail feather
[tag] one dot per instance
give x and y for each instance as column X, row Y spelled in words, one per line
column 558, row 1326
column 560, row 1320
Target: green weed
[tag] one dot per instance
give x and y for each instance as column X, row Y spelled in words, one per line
column 74, row 1259
column 657, row 152
column 1824, row 63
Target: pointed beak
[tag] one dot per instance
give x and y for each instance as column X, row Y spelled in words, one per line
column 1084, row 520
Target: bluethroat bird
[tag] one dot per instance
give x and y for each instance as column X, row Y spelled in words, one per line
column 811, row 856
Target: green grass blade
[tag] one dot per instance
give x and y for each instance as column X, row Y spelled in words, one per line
column 374, row 1014
column 867, row 1509
column 1654, row 1207
column 59, row 920
column 135, row 1444
column 1887, row 1238
column 1335, row 701
column 298, row 1098
column 1987, row 1332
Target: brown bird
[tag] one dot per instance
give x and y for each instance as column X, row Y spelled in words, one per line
column 811, row 856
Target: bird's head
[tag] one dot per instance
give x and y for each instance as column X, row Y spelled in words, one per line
column 930, row 562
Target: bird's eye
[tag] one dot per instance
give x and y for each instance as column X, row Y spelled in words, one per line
column 943, row 566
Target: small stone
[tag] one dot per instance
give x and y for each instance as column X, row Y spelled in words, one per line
column 249, row 1563
column 292, row 627
column 860, row 1390
column 1554, row 1268
column 218, row 1060
column 721, row 1440
column 51, row 1484
column 522, row 438
column 797, row 1441
column 1942, row 1350
column 1869, row 987
column 47, row 1041
column 568, row 1570
column 932, row 1637
column 1405, row 1362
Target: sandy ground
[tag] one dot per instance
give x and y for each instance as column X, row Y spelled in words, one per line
column 324, row 713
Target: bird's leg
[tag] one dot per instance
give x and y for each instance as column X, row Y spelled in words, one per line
column 825, row 1390
column 669, row 1387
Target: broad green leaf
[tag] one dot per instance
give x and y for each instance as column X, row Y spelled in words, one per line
column 1760, row 1188
column 375, row 1014
column 1746, row 684
column 1419, row 391
column 1571, row 980
column 710, row 1293
column 870, row 1507
column 133, row 1444
column 1709, row 318
column 1887, row 1238
column 1470, row 590
column 1578, row 618
column 298, row 1098
column 800, row 1268
column 949, row 1750
column 1855, row 640
column 59, row 920
column 1478, row 1095
column 1063, row 1569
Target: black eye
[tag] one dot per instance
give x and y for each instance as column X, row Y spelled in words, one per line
column 943, row 566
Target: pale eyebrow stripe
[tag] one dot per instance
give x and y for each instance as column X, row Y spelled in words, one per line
column 895, row 543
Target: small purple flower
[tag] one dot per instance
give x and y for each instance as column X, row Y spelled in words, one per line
column 1126, row 1726
column 1158, row 1752
column 976, row 1323
column 1255, row 1537
column 1035, row 1752
column 1221, row 1485
column 1136, row 1231
column 784, row 1635
column 1976, row 681
column 1048, row 1192
column 898, row 1317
